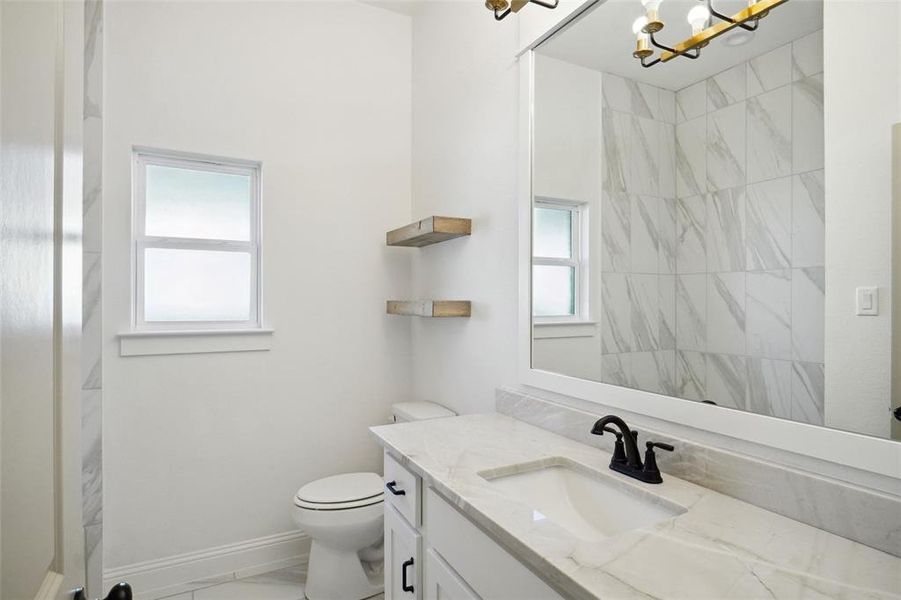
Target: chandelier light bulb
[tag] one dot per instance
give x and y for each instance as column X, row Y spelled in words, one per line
column 650, row 5
column 638, row 26
column 698, row 18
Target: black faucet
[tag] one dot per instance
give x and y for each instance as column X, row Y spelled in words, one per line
column 626, row 459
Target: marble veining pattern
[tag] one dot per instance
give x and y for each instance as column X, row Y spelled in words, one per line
column 769, row 71
column 725, row 231
column 867, row 516
column 726, row 313
column 726, row 147
column 769, row 135
column 727, row 543
column 808, row 220
column 769, row 224
column 92, row 308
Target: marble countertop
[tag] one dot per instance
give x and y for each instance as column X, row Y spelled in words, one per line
column 718, row 548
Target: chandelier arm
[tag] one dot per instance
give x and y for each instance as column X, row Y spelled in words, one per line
column 659, row 45
column 500, row 16
column 685, row 53
column 546, row 4
column 729, row 19
column 647, row 65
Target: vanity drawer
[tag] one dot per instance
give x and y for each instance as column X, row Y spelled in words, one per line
column 403, row 490
column 486, row 568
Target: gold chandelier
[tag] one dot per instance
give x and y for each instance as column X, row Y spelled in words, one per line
column 702, row 31
column 502, row 8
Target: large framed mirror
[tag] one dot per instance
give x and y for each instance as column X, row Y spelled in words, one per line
column 718, row 229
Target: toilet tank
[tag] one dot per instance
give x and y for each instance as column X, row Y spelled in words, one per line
column 419, row 411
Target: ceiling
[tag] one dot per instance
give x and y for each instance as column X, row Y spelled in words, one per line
column 602, row 39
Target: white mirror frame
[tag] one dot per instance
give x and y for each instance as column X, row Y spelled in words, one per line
column 866, row 453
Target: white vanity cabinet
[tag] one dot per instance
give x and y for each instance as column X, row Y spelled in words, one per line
column 442, row 582
column 433, row 549
column 403, row 558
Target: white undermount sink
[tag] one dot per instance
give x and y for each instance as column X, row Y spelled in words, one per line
column 588, row 505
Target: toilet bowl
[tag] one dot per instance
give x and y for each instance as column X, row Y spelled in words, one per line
column 344, row 515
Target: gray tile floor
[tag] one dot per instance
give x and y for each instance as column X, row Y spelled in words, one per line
column 284, row 584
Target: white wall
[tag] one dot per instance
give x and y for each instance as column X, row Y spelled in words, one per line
column 864, row 96
column 465, row 111
column 567, row 166
column 205, row 450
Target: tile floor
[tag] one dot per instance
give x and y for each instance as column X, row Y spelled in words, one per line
column 284, row 584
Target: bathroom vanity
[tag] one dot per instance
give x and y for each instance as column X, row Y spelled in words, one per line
column 492, row 507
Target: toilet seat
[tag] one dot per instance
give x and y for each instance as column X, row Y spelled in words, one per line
column 341, row 492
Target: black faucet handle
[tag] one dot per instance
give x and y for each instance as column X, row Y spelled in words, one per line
column 661, row 445
column 651, row 473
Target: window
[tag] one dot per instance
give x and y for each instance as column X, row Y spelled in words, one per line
column 196, row 242
column 559, row 268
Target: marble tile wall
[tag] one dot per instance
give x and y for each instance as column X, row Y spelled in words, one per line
column 92, row 392
column 865, row 515
column 638, row 233
column 723, row 183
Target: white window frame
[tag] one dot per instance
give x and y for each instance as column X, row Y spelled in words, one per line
column 579, row 259
column 143, row 157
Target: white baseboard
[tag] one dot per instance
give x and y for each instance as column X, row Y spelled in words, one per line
column 195, row 570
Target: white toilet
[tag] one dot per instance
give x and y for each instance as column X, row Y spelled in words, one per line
column 344, row 515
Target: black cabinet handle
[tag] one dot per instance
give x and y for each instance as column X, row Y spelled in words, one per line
column 403, row 575
column 391, row 485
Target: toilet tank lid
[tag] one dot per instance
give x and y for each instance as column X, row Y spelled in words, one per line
column 420, row 411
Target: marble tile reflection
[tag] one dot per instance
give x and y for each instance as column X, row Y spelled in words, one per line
column 769, row 387
column 645, row 238
column 727, row 87
column 808, row 314
column 726, row 380
column 644, row 157
column 616, row 231
column 769, row 224
column 691, row 157
column 770, row 70
column 769, row 152
column 616, row 309
column 691, row 102
column 667, row 158
column 807, row 56
column 666, row 232
column 91, row 343
column 808, row 146
column 691, row 375
column 725, row 232
column 667, row 101
column 617, row 131
column 726, row 147
column 644, row 311
column 654, row 371
column 808, row 220
column 616, row 369
column 726, row 313
column 691, row 243
column 666, row 304
column 808, row 392
column 691, row 312
column 769, row 314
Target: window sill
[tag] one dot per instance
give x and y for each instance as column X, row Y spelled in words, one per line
column 194, row 341
column 563, row 329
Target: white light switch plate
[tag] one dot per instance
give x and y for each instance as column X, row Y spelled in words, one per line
column 867, row 301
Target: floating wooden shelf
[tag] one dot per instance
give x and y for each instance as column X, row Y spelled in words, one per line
column 430, row 308
column 429, row 231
